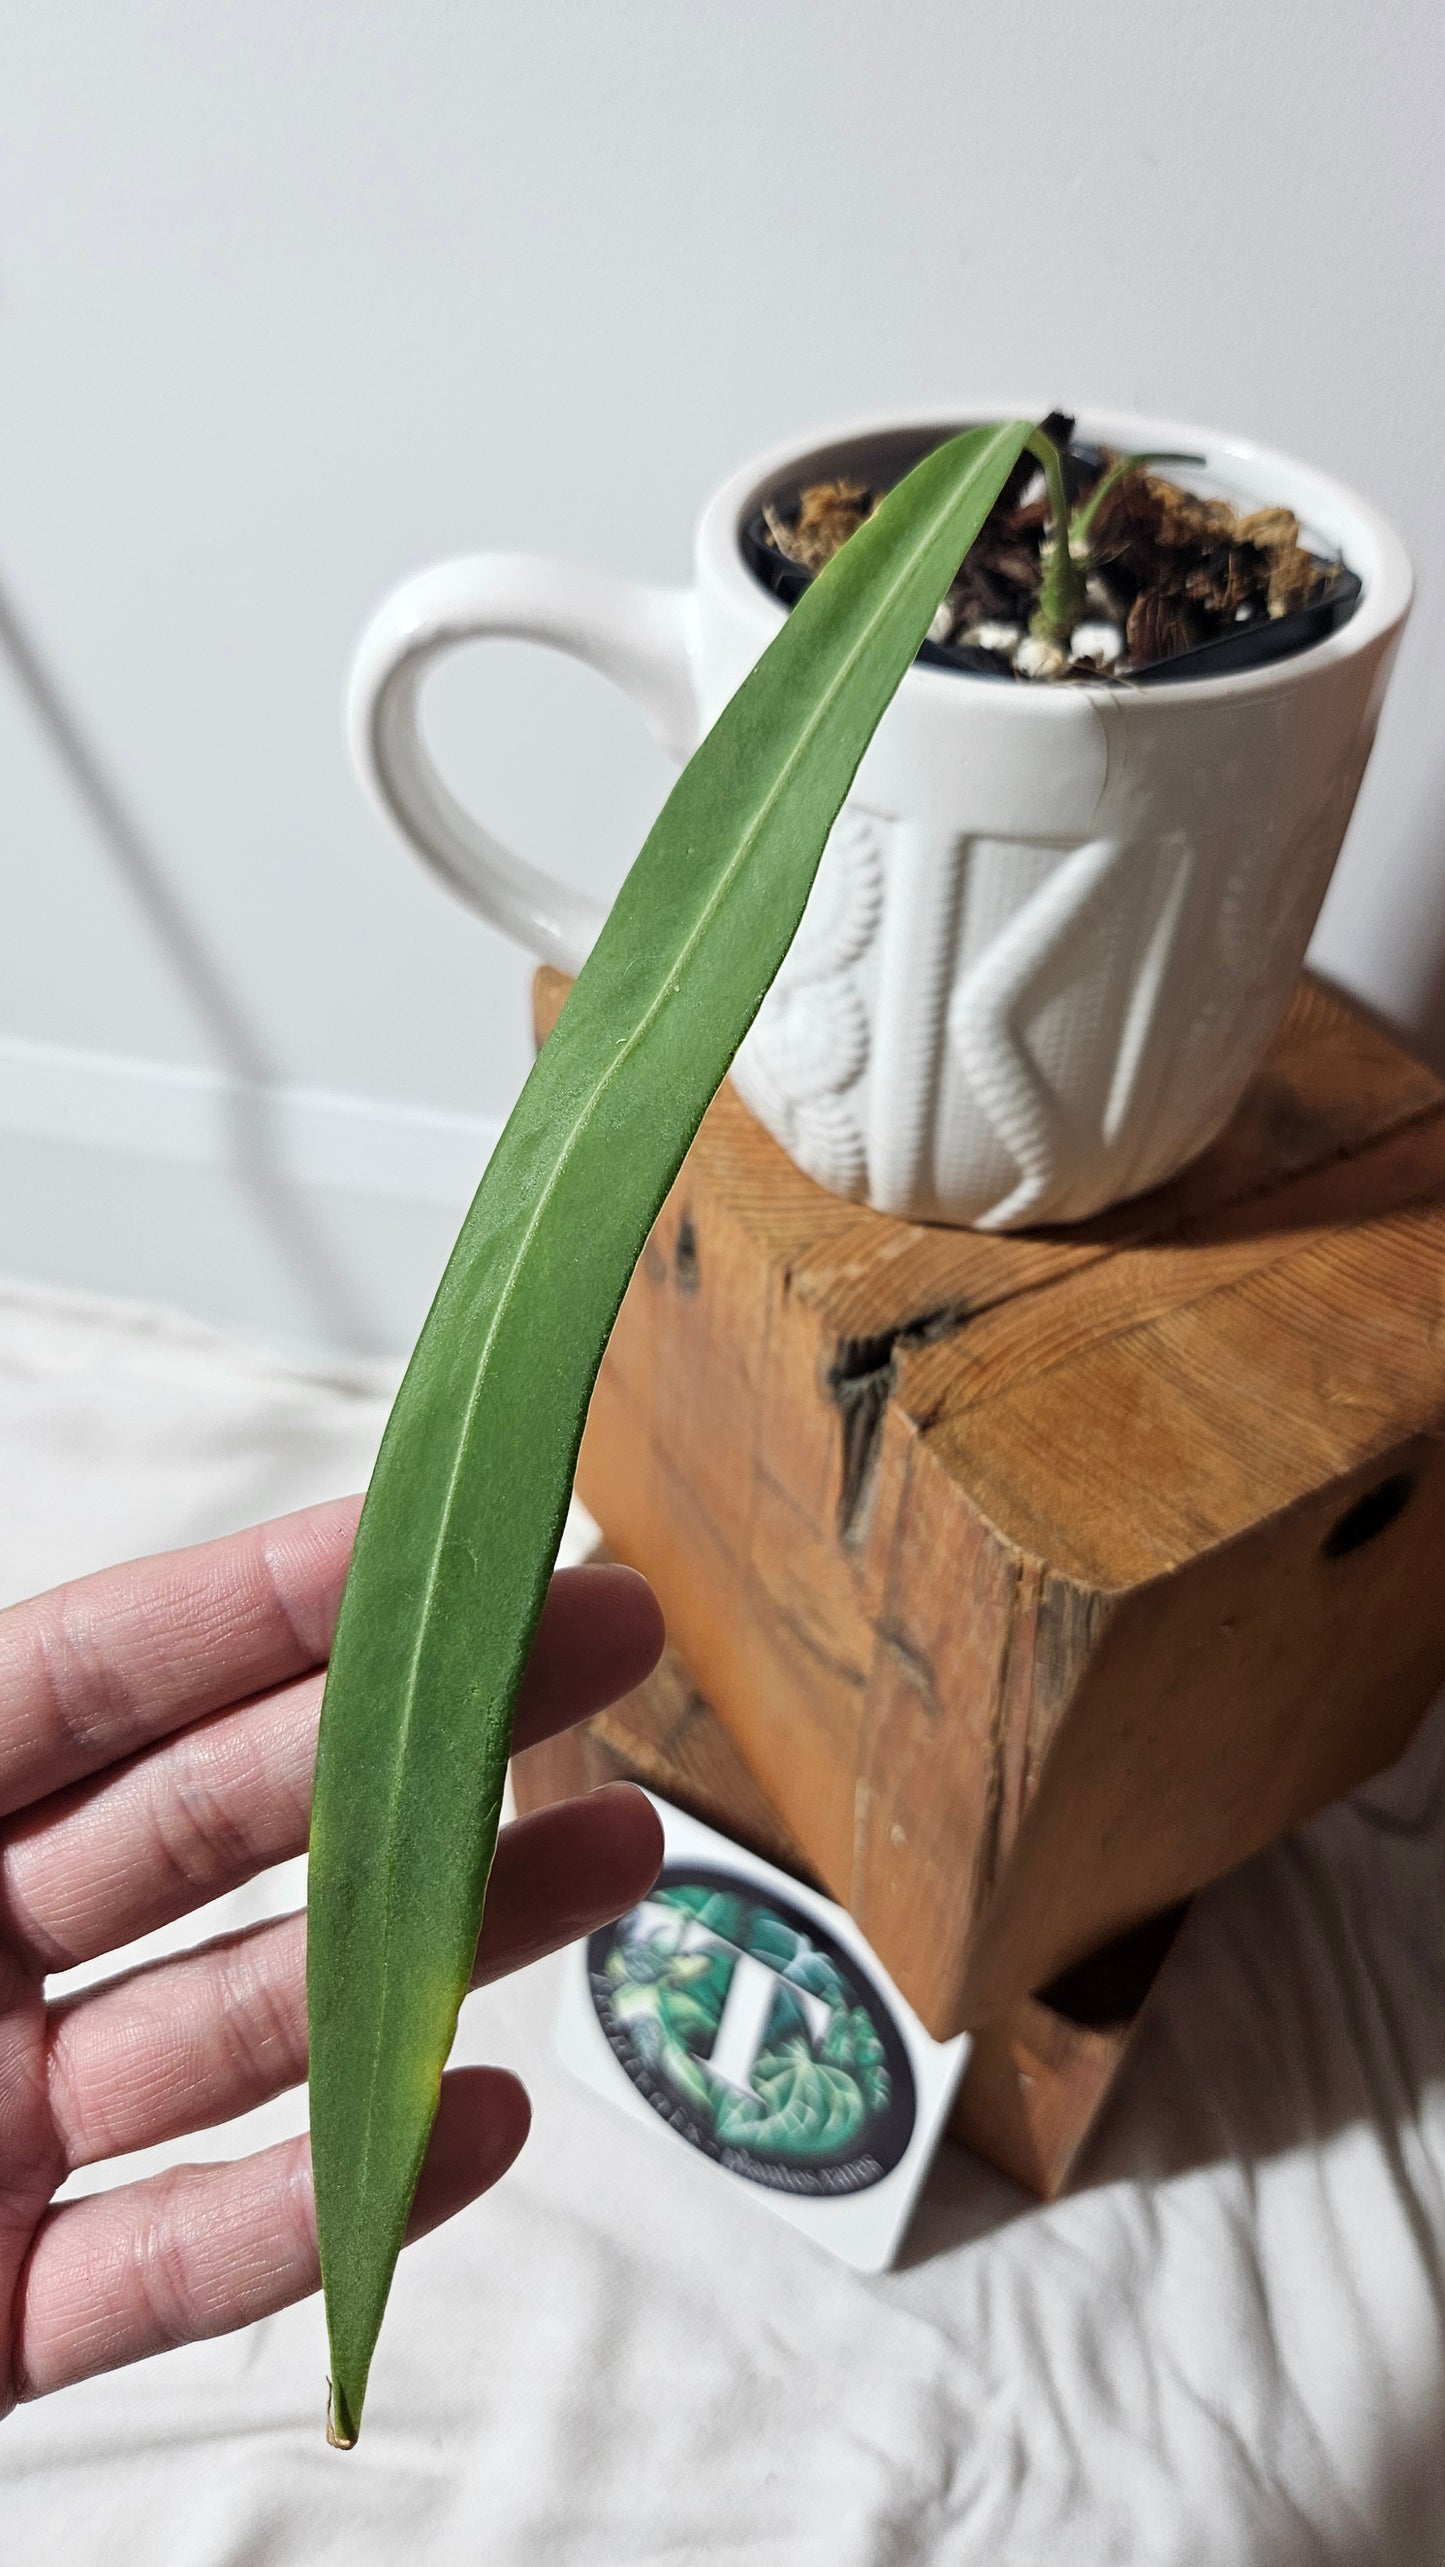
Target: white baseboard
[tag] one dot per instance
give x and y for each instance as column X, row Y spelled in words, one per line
column 203, row 1117
column 314, row 1222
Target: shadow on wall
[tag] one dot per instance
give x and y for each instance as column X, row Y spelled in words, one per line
column 327, row 1291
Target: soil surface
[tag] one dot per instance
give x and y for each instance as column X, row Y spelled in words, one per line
column 1171, row 577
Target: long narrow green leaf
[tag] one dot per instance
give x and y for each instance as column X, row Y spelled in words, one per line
column 465, row 1511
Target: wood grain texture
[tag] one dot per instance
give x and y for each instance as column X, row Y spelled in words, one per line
column 1007, row 1562
column 665, row 1737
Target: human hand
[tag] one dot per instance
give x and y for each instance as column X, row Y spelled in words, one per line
column 157, row 1738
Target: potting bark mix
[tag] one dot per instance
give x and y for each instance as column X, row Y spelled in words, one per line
column 1169, row 572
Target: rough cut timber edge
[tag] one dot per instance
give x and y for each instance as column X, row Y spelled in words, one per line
column 1007, row 1561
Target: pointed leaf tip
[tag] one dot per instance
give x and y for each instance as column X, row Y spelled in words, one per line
column 337, row 2435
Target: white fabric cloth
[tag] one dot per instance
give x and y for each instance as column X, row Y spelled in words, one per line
column 1226, row 2345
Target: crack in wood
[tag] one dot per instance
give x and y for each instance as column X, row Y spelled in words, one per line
column 1021, row 1623
column 686, row 1270
column 916, row 1667
column 805, row 1634
column 861, row 1380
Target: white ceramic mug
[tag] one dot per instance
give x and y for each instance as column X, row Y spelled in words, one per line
column 1054, row 927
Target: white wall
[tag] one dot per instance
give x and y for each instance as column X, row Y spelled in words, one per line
column 292, row 300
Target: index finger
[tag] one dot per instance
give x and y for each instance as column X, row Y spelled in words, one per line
column 105, row 1664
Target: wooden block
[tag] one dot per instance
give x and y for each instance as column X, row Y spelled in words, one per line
column 1041, row 2071
column 665, row 1737
column 1036, row 2078
column 1042, row 1578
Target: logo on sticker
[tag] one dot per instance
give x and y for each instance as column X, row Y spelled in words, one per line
column 750, row 2031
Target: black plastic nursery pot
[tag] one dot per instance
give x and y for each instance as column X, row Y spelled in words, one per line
column 881, row 460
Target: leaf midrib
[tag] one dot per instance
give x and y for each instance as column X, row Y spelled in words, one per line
column 582, row 1119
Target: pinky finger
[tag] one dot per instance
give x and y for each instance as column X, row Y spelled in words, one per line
column 202, row 2249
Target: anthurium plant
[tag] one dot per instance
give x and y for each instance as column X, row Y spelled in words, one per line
column 1063, row 599
column 465, row 1512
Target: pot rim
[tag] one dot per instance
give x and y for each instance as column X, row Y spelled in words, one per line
column 1325, row 506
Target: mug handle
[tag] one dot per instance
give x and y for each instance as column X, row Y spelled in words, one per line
column 640, row 637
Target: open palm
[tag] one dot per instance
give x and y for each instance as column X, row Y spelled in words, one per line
column 157, row 1736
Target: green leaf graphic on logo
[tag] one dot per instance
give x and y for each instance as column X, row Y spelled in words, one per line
column 818, row 2085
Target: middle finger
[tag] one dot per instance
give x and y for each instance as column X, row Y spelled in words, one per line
column 178, row 1824
column 189, row 2042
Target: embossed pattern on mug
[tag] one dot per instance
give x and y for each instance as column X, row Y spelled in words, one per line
column 803, row 1066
